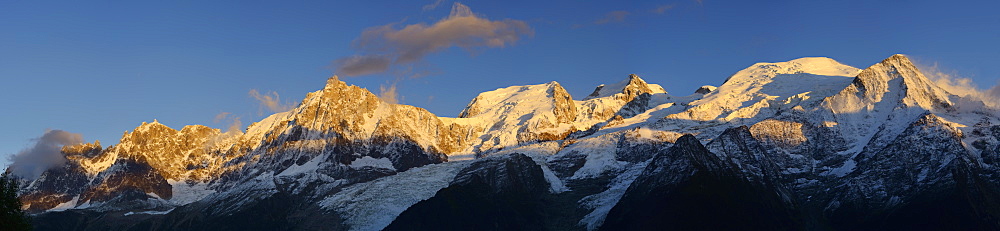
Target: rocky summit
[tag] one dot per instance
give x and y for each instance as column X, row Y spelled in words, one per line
column 807, row 144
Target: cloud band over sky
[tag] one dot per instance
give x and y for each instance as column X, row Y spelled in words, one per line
column 386, row 46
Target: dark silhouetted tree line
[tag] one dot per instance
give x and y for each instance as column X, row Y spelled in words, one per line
column 11, row 216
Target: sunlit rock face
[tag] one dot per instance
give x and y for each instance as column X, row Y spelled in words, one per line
column 346, row 133
column 807, row 144
column 177, row 155
column 622, row 99
column 784, row 134
column 128, row 181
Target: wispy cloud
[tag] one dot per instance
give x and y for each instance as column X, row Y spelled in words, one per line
column 234, row 124
column 44, row 154
column 362, row 65
column 233, row 129
column 633, row 14
column 221, row 116
column 270, row 101
column 613, row 16
column 388, row 93
column 964, row 87
column 994, row 91
column 386, row 46
column 662, row 9
column 432, row 6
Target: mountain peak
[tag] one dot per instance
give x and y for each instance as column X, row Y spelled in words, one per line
column 897, row 60
column 898, row 57
column 334, row 82
column 705, row 89
column 150, row 125
column 898, row 71
column 807, row 65
column 896, row 66
column 553, row 84
column 771, row 85
column 496, row 99
column 517, row 114
column 631, row 87
column 144, row 123
column 687, row 140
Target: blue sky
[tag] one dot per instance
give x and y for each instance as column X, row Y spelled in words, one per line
column 100, row 68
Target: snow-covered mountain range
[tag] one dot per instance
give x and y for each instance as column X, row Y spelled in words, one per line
column 808, row 144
